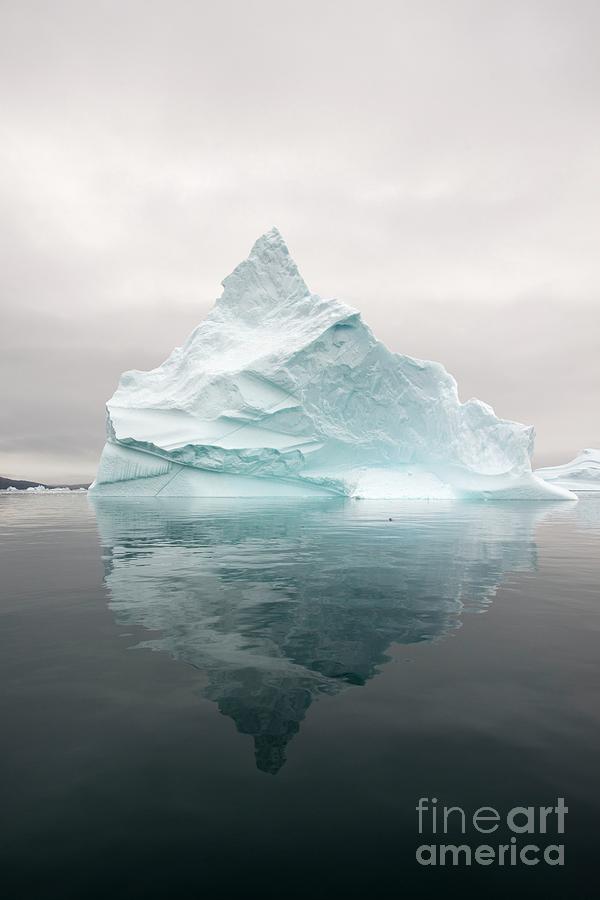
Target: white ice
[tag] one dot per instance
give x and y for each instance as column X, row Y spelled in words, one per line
column 280, row 392
column 581, row 474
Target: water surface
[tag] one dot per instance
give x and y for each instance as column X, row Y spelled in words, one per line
column 245, row 699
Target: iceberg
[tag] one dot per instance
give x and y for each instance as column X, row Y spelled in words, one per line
column 280, row 392
column 42, row 489
column 581, row 474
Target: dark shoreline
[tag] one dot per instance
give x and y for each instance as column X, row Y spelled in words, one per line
column 22, row 485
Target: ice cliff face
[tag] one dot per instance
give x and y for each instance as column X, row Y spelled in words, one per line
column 581, row 474
column 282, row 392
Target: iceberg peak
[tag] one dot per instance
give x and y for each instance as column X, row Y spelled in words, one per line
column 269, row 275
column 271, row 240
column 280, row 392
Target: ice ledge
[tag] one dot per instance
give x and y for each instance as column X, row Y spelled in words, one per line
column 127, row 470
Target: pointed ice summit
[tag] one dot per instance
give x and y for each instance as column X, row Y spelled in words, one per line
column 280, row 392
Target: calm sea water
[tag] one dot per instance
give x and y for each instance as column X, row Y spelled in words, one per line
column 248, row 700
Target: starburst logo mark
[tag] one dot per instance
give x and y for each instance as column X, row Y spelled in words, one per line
column 530, row 828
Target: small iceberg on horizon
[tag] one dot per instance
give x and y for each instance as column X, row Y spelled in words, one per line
column 580, row 474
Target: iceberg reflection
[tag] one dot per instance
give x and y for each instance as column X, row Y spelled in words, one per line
column 280, row 602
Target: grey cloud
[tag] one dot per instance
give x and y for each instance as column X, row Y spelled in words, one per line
column 435, row 164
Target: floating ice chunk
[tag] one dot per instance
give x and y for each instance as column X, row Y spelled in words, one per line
column 581, row 474
column 43, row 489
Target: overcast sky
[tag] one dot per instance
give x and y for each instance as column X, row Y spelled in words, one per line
column 435, row 164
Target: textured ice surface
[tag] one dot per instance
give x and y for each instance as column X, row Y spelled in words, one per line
column 280, row 392
column 581, row 474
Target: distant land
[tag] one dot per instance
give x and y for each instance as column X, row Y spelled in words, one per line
column 21, row 485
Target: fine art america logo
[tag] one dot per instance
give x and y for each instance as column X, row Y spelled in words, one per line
column 531, row 829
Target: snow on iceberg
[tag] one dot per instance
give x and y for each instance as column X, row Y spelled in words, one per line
column 581, row 474
column 280, row 392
